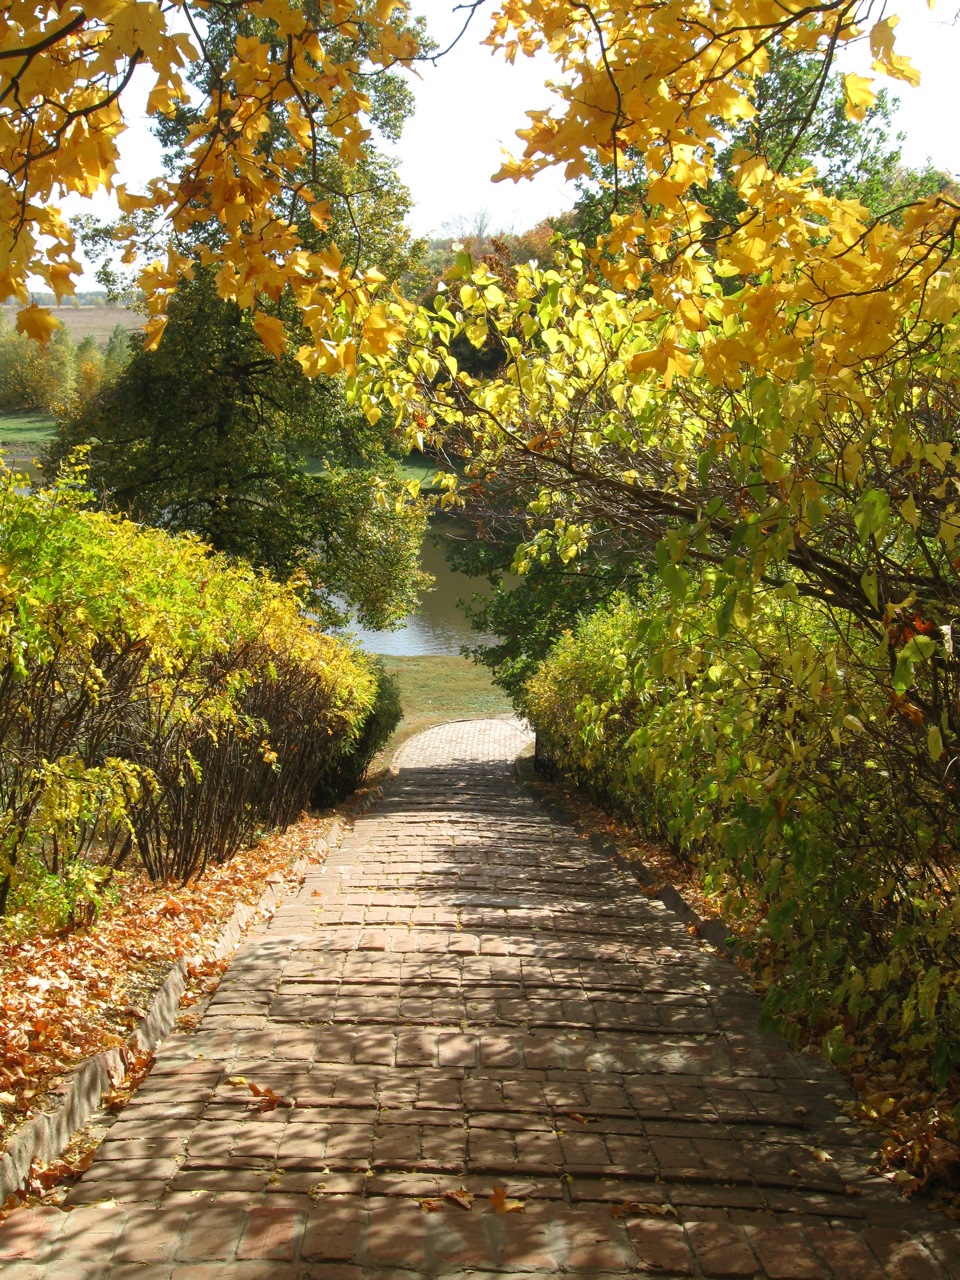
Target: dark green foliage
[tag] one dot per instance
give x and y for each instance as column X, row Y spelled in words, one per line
column 526, row 613
column 209, row 434
column 348, row 768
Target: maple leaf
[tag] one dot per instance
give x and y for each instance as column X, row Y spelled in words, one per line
column 154, row 332
column 503, row 1204
column 859, row 94
column 37, row 323
column 271, row 332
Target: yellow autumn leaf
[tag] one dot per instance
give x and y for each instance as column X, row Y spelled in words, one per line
column 859, row 94
column 321, row 358
column 908, row 510
column 37, row 323
column 502, row 1203
column 60, row 276
column 271, row 333
column 154, row 332
column 380, row 331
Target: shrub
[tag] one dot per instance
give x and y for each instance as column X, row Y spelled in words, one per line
column 789, row 778
column 348, row 769
column 155, row 699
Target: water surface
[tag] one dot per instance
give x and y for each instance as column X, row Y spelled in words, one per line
column 437, row 627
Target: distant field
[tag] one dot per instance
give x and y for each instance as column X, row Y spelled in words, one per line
column 81, row 321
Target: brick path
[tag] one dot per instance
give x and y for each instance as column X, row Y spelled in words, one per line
column 467, row 996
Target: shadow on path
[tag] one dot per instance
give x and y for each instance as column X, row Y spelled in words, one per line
column 465, row 997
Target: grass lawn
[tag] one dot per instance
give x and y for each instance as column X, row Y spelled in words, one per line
column 416, row 467
column 22, row 437
column 433, row 690
column 25, row 428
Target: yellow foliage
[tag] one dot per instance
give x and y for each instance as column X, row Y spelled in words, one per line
column 37, row 323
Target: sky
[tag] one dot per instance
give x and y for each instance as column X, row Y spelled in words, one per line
column 470, row 104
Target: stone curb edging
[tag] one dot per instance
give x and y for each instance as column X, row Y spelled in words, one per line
column 45, row 1136
column 711, row 928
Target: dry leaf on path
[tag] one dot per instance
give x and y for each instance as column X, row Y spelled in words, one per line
column 818, row 1153
column 461, row 1196
column 636, row 1208
column 503, row 1204
column 268, row 1099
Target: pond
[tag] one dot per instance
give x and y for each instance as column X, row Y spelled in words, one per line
column 438, row 627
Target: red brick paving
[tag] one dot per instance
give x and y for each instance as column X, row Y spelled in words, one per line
column 467, row 996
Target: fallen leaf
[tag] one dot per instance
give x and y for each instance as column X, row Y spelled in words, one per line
column 639, row 1208
column 503, row 1204
column 461, row 1196
column 430, row 1205
column 818, row 1153
column 268, row 1099
column 944, row 1157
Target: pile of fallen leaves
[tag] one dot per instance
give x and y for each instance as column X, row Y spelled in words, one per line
column 917, row 1126
column 66, row 997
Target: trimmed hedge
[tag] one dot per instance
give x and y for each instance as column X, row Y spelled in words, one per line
column 797, row 787
column 155, row 700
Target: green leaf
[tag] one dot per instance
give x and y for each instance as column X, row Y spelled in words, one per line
column 871, row 514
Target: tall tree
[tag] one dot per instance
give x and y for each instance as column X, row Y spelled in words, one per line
column 210, row 433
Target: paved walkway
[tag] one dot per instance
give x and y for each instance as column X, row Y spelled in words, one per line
column 468, row 997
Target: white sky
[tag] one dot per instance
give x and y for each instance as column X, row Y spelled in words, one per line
column 469, row 106
column 471, row 103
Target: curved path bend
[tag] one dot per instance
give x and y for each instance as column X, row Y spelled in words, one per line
column 465, row 997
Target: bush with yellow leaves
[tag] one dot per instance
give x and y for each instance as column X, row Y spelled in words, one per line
column 155, row 700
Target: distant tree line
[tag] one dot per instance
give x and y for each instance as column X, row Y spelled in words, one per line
column 56, row 378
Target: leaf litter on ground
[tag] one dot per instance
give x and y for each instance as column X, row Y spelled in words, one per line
column 66, row 996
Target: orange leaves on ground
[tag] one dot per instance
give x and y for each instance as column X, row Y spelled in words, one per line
column 66, row 997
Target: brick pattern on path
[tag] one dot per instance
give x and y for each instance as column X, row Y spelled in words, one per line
column 466, row 995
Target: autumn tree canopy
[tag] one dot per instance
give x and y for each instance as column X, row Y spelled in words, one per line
column 293, row 92
column 654, row 84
